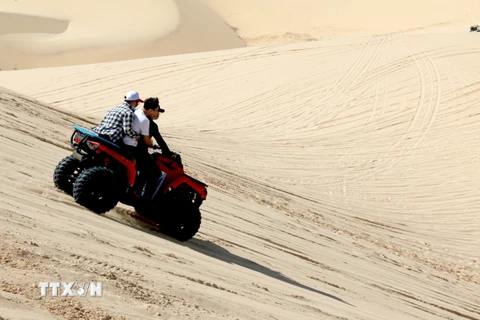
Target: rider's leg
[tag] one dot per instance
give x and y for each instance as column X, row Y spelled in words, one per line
column 144, row 166
column 153, row 173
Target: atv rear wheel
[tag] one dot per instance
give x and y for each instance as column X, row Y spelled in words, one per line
column 97, row 189
column 181, row 222
column 66, row 173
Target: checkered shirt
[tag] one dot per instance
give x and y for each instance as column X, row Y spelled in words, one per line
column 117, row 123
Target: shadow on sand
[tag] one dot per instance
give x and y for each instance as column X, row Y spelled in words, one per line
column 215, row 251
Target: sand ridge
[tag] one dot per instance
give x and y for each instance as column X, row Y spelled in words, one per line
column 310, row 20
column 92, row 31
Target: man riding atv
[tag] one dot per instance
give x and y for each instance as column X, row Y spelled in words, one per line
column 148, row 170
column 127, row 127
column 118, row 122
column 154, row 130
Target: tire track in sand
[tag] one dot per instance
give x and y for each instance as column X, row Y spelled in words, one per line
column 430, row 110
column 373, row 61
column 336, row 92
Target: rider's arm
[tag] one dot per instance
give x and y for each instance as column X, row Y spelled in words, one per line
column 158, row 137
column 127, row 125
column 147, row 140
column 145, row 132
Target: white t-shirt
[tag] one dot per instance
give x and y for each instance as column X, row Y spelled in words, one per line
column 141, row 125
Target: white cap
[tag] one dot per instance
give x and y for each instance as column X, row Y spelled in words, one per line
column 132, row 96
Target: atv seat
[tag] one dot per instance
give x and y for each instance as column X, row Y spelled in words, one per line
column 109, row 144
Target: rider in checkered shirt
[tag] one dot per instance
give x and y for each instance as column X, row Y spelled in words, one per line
column 119, row 120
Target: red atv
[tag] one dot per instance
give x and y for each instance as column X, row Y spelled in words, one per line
column 99, row 174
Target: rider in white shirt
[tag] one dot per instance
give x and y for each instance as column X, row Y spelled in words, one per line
column 141, row 124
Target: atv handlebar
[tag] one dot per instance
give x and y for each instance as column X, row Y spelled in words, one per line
column 172, row 154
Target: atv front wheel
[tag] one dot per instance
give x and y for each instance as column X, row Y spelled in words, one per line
column 97, row 189
column 182, row 222
column 66, row 173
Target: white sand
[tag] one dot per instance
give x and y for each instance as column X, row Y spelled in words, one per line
column 343, row 183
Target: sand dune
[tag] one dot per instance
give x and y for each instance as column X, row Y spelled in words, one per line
column 343, row 184
column 308, row 20
column 343, row 174
column 34, row 35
